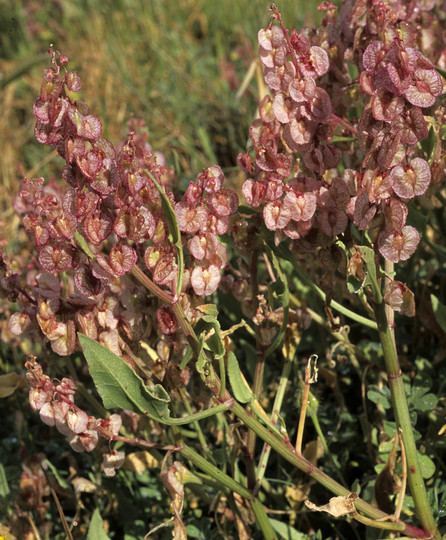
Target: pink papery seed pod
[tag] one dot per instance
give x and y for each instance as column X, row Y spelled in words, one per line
column 39, row 396
column 216, row 224
column 77, row 421
column 244, row 162
column 274, row 189
column 122, row 259
column 19, row 323
column 335, row 196
column 302, row 206
column 273, row 58
column 297, row 229
column 205, row 280
column 398, row 246
column 87, row 323
column 45, row 134
column 48, row 286
column 284, row 109
column 271, row 37
column 387, row 106
column 411, row 126
column 400, row 298
column 190, row 220
column 276, row 215
column 111, row 462
column 167, row 321
column 332, row 222
column 87, row 126
column 378, row 185
column 73, row 81
column 55, row 258
column 111, row 426
column 266, row 110
column 363, row 212
column 54, row 412
column 165, row 270
column 211, row 179
column 413, row 180
column 224, row 202
column 298, row 133
column 87, row 440
column 193, row 195
column 373, row 55
column 67, row 388
column 395, row 213
column 65, row 344
column 302, row 90
column 86, row 282
column 97, row 227
column 254, row 192
column 219, row 258
column 426, row 86
column 320, row 106
column 202, row 246
column 110, row 340
column 315, row 63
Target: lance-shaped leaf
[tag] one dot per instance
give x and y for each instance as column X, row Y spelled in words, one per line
column 239, row 388
column 120, row 387
column 82, row 243
column 371, row 279
column 439, row 312
column 96, row 530
column 174, row 230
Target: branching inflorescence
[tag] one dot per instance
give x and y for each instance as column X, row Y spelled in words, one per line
column 334, row 160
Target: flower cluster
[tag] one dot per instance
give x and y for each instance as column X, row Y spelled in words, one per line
column 400, row 81
column 55, row 403
column 108, row 220
column 203, row 214
column 297, row 122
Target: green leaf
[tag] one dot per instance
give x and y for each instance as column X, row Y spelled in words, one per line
column 425, row 403
column 172, row 223
column 379, row 395
column 286, row 531
column 211, row 328
column 119, row 386
column 96, row 529
column 439, row 312
column 354, row 285
column 427, row 466
column 442, row 72
column 60, row 480
column 428, row 144
column 4, row 487
column 9, row 383
column 241, row 392
column 82, row 243
column 368, row 256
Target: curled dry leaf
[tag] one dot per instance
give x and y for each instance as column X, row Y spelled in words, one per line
column 336, row 506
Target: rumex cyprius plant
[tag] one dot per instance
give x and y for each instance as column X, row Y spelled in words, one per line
column 334, row 160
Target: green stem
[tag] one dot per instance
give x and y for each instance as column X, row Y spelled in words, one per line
column 258, row 373
column 288, row 453
column 262, row 520
column 197, row 427
column 321, row 436
column 280, row 394
column 401, row 410
column 231, row 485
column 302, row 276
